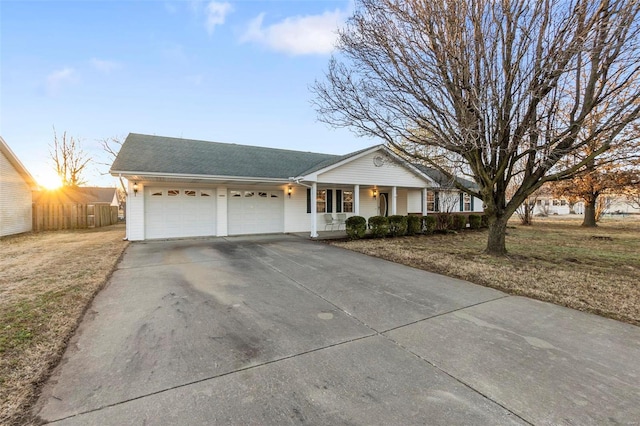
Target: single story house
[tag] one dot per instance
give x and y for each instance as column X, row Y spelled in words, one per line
column 187, row 188
column 16, row 185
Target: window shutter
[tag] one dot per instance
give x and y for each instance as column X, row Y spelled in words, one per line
column 308, row 200
column 338, row 200
column 461, row 202
column 436, row 198
column 329, row 200
column 472, row 197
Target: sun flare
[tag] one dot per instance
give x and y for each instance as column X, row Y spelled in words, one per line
column 50, row 181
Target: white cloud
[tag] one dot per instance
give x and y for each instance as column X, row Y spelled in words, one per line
column 57, row 79
column 298, row 35
column 105, row 66
column 216, row 14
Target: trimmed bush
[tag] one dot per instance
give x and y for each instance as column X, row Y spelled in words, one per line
column 397, row 225
column 459, row 222
column 428, row 224
column 485, row 220
column 356, row 227
column 475, row 221
column 414, row 225
column 379, row 226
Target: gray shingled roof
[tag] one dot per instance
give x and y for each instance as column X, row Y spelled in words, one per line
column 157, row 154
column 443, row 181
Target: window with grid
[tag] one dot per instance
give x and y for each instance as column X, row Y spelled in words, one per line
column 347, row 201
column 321, row 201
column 431, row 201
column 467, row 202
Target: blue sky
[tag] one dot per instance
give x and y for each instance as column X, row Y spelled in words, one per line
column 227, row 71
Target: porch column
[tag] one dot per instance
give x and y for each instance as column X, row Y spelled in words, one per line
column 424, row 201
column 356, row 200
column 394, row 195
column 314, row 210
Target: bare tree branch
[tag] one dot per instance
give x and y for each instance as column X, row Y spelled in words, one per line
column 69, row 159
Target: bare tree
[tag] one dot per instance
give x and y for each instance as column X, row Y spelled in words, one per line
column 69, row 159
column 498, row 83
column 112, row 146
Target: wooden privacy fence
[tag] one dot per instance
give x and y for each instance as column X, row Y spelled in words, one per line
column 54, row 217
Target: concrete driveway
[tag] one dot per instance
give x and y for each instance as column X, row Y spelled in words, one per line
column 282, row 330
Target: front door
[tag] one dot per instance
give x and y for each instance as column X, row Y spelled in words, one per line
column 384, row 204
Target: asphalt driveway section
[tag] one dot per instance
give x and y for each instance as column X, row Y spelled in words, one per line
column 281, row 330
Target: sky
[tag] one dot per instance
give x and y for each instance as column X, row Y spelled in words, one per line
column 224, row 71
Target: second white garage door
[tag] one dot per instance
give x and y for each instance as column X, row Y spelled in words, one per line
column 179, row 212
column 256, row 212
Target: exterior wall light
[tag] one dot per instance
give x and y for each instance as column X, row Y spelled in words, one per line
column 375, row 193
column 289, row 191
column 135, row 189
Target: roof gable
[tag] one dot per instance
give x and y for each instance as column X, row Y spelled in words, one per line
column 17, row 165
column 163, row 155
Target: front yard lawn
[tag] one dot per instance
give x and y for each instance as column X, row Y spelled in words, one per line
column 555, row 260
column 46, row 282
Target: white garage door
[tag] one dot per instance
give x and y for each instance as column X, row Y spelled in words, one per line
column 179, row 212
column 256, row 212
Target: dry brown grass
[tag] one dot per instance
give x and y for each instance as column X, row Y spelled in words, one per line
column 46, row 282
column 555, row 260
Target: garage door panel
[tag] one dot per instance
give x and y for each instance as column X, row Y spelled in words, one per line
column 255, row 211
column 179, row 212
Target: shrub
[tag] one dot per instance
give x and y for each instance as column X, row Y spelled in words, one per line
column 414, row 225
column 459, row 222
column 444, row 221
column 485, row 220
column 475, row 221
column 379, row 226
column 356, row 227
column 428, row 224
column 397, row 225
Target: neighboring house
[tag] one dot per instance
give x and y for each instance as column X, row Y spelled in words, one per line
column 16, row 184
column 185, row 188
column 546, row 205
column 618, row 204
column 77, row 195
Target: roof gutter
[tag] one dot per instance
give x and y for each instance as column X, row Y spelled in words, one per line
column 297, row 182
column 206, row 177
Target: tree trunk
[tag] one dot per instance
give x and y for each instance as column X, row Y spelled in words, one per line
column 496, row 245
column 590, row 213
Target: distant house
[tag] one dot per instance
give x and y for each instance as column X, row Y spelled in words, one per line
column 77, row 195
column 187, row 188
column 16, row 185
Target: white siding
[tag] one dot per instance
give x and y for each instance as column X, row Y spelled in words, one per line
column 363, row 171
column 402, row 202
column 296, row 218
column 135, row 213
column 15, row 200
column 477, row 205
column 414, row 201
